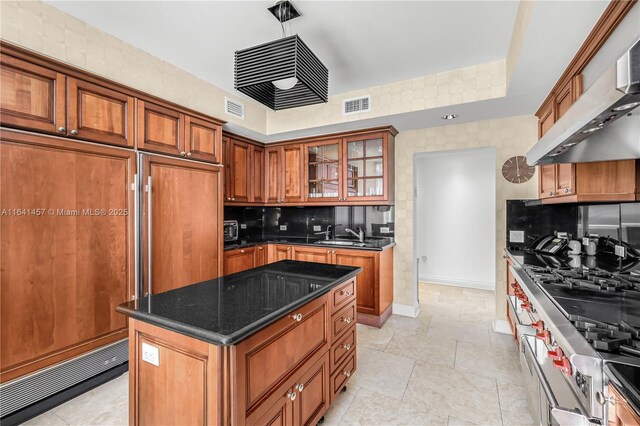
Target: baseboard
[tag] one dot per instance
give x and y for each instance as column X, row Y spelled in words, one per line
column 438, row 279
column 406, row 310
column 501, row 326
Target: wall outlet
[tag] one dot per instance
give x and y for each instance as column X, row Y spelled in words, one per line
column 243, row 226
column 516, row 236
column 283, row 227
column 384, row 229
column 620, row 251
column 150, row 354
column 317, row 228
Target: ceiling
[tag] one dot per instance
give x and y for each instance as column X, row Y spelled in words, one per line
column 362, row 43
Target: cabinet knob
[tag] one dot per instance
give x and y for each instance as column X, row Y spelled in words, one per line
column 74, row 132
column 241, row 251
column 345, row 293
column 334, row 252
column 183, row 153
column 291, row 395
column 189, row 154
column 62, row 129
column 288, row 248
column 566, row 190
column 346, row 346
column 347, row 320
column 551, row 194
column 347, row 373
column 260, row 248
column 297, row 317
column 299, row 387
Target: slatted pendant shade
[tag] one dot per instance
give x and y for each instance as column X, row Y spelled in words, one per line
column 256, row 68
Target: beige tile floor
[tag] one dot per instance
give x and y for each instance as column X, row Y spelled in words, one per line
column 446, row 367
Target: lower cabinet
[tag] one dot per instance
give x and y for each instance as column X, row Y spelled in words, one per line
column 278, row 252
column 620, row 411
column 313, row 254
column 510, row 292
column 239, row 260
column 262, row 252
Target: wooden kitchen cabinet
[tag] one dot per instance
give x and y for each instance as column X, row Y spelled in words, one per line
column 159, row 129
column 262, row 254
column 55, row 307
column 292, row 176
column 598, row 181
column 278, row 252
column 323, row 166
column 239, row 260
column 33, row 97
column 203, row 140
column 620, row 412
column 313, row 254
column 510, row 292
column 257, row 180
column 239, row 171
column 272, row 173
column 182, row 223
column 368, row 169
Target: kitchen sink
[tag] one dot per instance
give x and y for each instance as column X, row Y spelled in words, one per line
column 342, row 243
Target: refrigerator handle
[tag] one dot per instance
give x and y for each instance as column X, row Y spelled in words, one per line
column 149, row 233
column 136, row 235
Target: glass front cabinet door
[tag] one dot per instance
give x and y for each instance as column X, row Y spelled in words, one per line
column 366, row 169
column 324, row 164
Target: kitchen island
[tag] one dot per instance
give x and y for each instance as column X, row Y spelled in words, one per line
column 273, row 344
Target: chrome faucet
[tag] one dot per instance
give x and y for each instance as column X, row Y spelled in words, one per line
column 327, row 233
column 359, row 234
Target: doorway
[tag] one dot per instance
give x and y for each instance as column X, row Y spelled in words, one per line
column 455, row 217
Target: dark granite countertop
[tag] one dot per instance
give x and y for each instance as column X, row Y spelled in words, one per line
column 375, row 243
column 226, row 310
column 626, row 379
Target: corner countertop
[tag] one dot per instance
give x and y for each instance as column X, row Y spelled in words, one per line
column 375, row 244
column 226, row 310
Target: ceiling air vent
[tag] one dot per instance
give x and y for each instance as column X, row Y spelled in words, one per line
column 356, row 105
column 234, row 108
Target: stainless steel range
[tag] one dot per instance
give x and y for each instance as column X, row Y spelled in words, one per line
column 571, row 321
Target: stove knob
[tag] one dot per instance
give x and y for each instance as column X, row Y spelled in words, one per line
column 545, row 336
column 563, row 364
column 526, row 306
column 538, row 325
column 556, row 353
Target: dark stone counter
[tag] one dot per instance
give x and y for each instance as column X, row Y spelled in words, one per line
column 228, row 309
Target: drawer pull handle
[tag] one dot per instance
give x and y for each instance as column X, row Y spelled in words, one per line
column 297, row 317
column 241, row 251
column 299, row 387
column 61, row 129
column 347, row 320
column 74, row 132
column 291, row 395
column 347, row 373
column 346, row 346
column 346, row 293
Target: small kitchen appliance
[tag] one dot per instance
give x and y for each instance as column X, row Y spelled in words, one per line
column 230, row 230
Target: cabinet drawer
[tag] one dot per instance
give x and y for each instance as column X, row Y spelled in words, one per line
column 342, row 295
column 340, row 377
column 342, row 320
column 283, row 347
column 343, row 348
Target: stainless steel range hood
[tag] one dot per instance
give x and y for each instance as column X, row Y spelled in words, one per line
column 603, row 124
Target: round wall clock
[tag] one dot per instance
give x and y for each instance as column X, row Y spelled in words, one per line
column 516, row 169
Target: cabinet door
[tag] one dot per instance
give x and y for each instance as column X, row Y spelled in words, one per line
column 182, row 220
column 160, row 129
column 323, row 168
column 261, row 255
column 99, row 114
column 607, row 178
column 547, row 181
column 239, row 260
column 280, row 414
column 567, row 96
column 272, row 173
column 292, row 176
column 546, row 120
column 278, row 252
column 312, row 390
column 257, row 174
column 33, row 97
column 565, row 179
column 239, row 171
column 313, row 254
column 366, row 170
column 226, row 142
column 367, row 293
column 203, row 140
column 64, row 270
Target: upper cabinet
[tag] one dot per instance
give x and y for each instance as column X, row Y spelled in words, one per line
column 44, row 96
column 244, row 171
column 354, row 168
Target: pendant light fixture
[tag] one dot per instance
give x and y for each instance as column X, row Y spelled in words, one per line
column 283, row 73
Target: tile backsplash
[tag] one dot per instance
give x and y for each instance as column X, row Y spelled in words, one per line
column 304, row 221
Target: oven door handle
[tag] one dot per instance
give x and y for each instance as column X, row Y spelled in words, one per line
column 562, row 415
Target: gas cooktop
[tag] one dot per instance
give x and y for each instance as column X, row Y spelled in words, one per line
column 603, row 305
